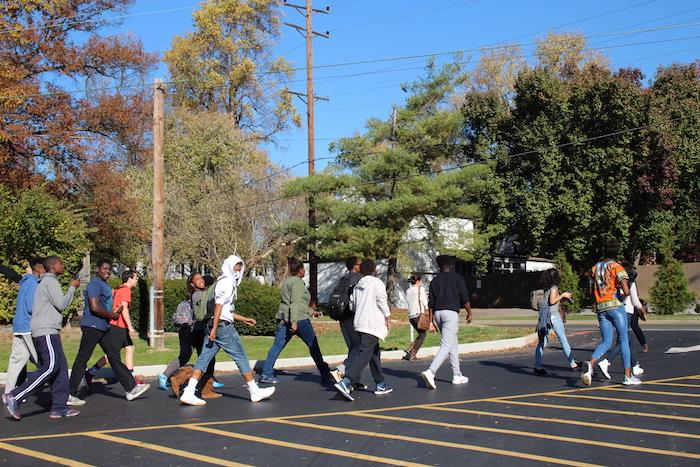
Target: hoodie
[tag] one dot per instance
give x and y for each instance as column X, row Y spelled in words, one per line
column 25, row 298
column 226, row 286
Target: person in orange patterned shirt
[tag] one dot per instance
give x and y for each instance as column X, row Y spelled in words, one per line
column 610, row 286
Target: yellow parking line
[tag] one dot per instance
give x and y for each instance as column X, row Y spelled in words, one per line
column 163, row 449
column 608, row 411
column 674, row 384
column 305, row 447
column 41, row 455
column 564, row 421
column 630, row 401
column 647, row 391
column 529, row 434
column 433, row 442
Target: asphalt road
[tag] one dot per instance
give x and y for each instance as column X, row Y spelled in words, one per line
column 504, row 416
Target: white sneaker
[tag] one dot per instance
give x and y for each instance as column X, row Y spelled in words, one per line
column 631, row 381
column 189, row 398
column 460, row 379
column 137, row 391
column 587, row 373
column 604, row 365
column 75, row 401
column 637, row 370
column 256, row 395
column 429, row 378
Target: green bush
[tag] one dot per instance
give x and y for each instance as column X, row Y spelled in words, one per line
column 670, row 293
column 8, row 300
column 569, row 283
column 258, row 301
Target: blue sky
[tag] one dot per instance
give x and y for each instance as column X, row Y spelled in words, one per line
column 371, row 29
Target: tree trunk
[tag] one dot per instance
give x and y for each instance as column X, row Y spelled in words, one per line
column 392, row 282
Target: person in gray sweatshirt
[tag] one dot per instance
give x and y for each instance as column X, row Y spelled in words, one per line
column 46, row 323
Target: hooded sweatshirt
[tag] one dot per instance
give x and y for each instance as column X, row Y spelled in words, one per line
column 49, row 302
column 369, row 301
column 226, row 286
column 25, row 299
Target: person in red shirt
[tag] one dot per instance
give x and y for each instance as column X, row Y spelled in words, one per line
column 121, row 297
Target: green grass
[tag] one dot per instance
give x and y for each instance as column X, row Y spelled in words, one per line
column 331, row 343
column 575, row 317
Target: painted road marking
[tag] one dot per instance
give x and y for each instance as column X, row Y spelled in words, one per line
column 593, row 409
column 675, row 384
column 41, row 455
column 647, row 391
column 630, row 401
column 164, row 449
column 567, row 422
column 303, row 447
column 529, row 434
column 432, row 442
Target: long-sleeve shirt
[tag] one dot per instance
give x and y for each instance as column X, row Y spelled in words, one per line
column 295, row 298
column 49, row 302
column 417, row 301
column 369, row 300
column 21, row 323
column 632, row 301
column 448, row 291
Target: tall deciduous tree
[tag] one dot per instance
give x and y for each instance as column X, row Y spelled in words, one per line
column 226, row 65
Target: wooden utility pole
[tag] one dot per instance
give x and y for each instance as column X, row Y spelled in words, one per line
column 309, row 34
column 156, row 338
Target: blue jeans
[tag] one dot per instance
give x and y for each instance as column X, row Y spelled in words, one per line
column 283, row 335
column 617, row 349
column 616, row 319
column 558, row 326
column 227, row 338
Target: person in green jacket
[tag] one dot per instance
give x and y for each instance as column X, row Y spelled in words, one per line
column 294, row 319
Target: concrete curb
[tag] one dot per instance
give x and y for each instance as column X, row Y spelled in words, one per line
column 287, row 363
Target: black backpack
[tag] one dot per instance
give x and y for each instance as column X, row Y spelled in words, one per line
column 339, row 301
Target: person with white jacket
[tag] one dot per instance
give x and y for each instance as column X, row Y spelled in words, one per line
column 369, row 302
column 417, row 304
column 223, row 335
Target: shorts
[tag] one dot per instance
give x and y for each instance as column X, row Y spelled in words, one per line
column 123, row 337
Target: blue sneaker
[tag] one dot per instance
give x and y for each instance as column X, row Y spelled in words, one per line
column 382, row 388
column 217, row 384
column 268, row 380
column 345, row 388
column 12, row 406
column 163, row 382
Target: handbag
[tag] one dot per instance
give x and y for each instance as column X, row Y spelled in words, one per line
column 425, row 320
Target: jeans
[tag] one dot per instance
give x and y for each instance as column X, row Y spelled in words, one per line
column 53, row 369
column 283, row 335
column 609, row 320
column 22, row 351
column 558, row 326
column 612, row 353
column 227, row 338
column 448, row 323
column 368, row 352
column 111, row 346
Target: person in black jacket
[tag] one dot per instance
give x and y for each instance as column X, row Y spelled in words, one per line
column 447, row 294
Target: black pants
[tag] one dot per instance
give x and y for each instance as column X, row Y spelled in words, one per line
column 634, row 324
column 111, row 346
column 352, row 340
column 418, row 343
column 368, row 353
column 52, row 369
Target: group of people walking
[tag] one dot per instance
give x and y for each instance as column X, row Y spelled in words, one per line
column 206, row 323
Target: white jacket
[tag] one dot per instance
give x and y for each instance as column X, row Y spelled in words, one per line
column 226, row 287
column 369, row 302
column 417, row 301
column 632, row 300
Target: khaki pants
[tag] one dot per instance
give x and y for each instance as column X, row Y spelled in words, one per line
column 22, row 351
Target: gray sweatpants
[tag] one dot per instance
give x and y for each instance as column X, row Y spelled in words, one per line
column 448, row 323
column 22, row 351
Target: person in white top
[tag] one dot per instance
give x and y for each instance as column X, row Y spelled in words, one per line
column 417, row 303
column 223, row 335
column 371, row 321
column 632, row 303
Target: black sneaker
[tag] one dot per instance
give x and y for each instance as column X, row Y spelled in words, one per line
column 359, row 386
column 540, row 372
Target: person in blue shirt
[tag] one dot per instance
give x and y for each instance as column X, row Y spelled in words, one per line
column 22, row 345
column 96, row 330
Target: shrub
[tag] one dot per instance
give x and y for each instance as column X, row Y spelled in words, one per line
column 261, row 302
column 670, row 293
column 569, row 283
column 8, row 299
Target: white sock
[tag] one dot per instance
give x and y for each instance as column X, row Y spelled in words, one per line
column 252, row 385
column 192, row 385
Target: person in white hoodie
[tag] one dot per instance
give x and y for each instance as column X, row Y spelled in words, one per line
column 371, row 321
column 223, row 335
